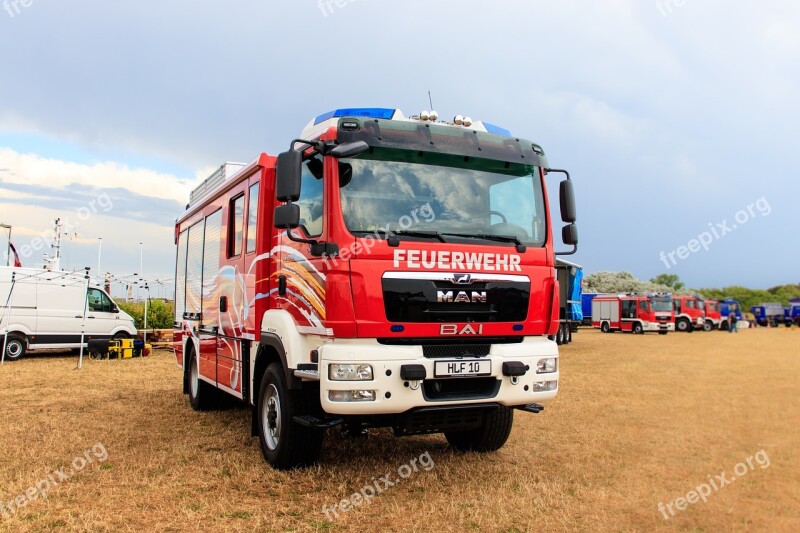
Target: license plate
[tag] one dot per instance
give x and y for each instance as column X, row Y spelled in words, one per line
column 457, row 369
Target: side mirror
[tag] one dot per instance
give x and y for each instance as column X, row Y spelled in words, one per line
column 569, row 234
column 287, row 216
column 115, row 310
column 288, row 171
column 350, row 149
column 567, row 199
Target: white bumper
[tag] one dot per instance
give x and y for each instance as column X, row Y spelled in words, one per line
column 656, row 326
column 393, row 395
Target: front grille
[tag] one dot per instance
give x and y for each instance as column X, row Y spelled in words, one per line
column 445, row 390
column 439, row 341
column 455, row 350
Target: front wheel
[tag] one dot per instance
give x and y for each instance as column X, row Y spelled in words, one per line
column 285, row 444
column 663, row 332
column 637, row 329
column 708, row 325
column 683, row 325
column 15, row 347
column 490, row 437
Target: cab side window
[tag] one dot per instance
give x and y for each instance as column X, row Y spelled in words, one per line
column 311, row 197
column 98, row 302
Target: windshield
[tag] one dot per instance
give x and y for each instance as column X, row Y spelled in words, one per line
column 662, row 305
column 390, row 190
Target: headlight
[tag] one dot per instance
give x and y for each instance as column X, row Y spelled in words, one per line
column 546, row 366
column 337, row 372
column 351, row 395
column 544, row 386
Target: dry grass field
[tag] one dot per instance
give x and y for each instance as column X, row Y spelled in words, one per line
column 640, row 420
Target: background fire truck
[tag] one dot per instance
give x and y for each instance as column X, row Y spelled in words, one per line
column 688, row 314
column 711, row 312
column 634, row 313
column 384, row 272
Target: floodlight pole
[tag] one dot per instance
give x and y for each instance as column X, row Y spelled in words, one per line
column 83, row 325
column 8, row 247
column 9, row 302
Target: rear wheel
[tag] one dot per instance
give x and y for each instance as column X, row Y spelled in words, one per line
column 202, row 396
column 569, row 334
column 284, row 443
column 490, row 437
column 15, row 347
column 605, row 328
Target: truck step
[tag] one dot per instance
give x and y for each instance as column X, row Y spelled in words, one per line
column 311, row 421
column 312, row 375
column 531, row 408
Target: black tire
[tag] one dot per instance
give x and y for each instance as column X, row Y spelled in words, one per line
column 637, row 328
column 202, row 396
column 569, row 334
column 120, row 335
column 724, row 326
column 16, row 346
column 561, row 336
column 708, row 325
column 605, row 328
column 490, row 437
column 285, row 444
column 683, row 325
column 663, row 332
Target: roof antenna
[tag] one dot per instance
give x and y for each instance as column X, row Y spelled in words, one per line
column 432, row 115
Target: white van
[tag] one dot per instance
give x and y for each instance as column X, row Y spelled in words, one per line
column 45, row 310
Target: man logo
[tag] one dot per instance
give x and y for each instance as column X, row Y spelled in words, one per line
column 462, row 279
column 461, row 297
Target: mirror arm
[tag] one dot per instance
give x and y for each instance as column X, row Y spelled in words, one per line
column 317, row 147
column 572, row 252
column 558, row 171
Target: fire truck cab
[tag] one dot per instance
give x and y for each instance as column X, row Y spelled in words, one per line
column 688, row 313
column 383, row 272
column 712, row 314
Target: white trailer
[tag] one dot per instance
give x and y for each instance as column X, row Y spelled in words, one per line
column 42, row 308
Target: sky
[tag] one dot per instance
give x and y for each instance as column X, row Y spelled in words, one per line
column 677, row 119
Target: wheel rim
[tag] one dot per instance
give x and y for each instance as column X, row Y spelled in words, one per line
column 13, row 349
column 194, row 379
column 271, row 417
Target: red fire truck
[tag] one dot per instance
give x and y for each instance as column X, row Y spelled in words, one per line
column 713, row 316
column 688, row 313
column 636, row 313
column 384, row 272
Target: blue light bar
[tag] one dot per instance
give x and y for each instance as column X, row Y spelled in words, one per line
column 366, row 112
column 497, row 130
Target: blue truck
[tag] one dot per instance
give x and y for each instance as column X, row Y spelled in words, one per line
column 570, row 281
column 586, row 307
column 770, row 314
column 794, row 311
column 726, row 307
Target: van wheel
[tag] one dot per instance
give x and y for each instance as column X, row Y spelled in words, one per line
column 490, row 437
column 637, row 328
column 605, row 328
column 120, row 335
column 15, row 347
column 285, row 444
column 202, row 396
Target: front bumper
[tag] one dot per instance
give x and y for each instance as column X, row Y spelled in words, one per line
column 659, row 326
column 394, row 395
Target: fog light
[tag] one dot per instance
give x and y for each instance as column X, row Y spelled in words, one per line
column 337, row 372
column 351, row 395
column 544, row 386
column 546, row 366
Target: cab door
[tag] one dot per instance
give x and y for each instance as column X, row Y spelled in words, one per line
column 100, row 316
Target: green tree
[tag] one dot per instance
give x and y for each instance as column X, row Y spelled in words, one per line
column 670, row 280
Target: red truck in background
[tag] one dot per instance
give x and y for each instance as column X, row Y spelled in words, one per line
column 688, row 313
column 384, row 272
column 712, row 314
column 635, row 313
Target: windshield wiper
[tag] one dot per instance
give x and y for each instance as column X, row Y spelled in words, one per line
column 411, row 233
column 491, row 237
